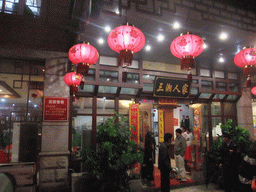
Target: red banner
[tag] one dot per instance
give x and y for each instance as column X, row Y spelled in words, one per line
column 134, row 120
column 56, row 108
column 197, row 123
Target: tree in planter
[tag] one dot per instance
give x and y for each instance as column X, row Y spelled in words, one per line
column 115, row 154
column 240, row 136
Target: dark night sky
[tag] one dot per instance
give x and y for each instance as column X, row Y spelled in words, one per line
column 247, row 5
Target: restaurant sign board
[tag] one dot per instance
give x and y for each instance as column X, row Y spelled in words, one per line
column 56, row 109
column 167, row 87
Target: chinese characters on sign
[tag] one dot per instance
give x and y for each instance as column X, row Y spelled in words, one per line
column 167, row 101
column 161, row 125
column 56, row 108
column 134, row 120
column 165, row 87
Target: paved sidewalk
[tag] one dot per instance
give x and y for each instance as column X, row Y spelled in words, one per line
column 199, row 188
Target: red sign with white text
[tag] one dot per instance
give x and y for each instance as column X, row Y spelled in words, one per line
column 134, row 120
column 56, row 108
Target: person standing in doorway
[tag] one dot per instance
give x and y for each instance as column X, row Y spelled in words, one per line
column 187, row 122
column 182, row 123
column 164, row 162
column 179, row 152
column 149, row 159
column 188, row 153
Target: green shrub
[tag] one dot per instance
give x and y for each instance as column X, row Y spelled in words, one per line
column 114, row 155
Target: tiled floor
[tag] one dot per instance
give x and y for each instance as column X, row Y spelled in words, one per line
column 199, row 188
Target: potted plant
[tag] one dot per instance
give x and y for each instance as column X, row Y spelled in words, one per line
column 108, row 165
column 240, row 136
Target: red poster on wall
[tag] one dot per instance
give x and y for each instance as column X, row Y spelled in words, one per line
column 56, row 109
column 134, row 120
column 175, row 122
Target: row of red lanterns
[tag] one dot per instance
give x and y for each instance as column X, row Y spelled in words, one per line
column 127, row 40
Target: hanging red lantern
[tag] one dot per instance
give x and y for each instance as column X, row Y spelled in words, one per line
column 83, row 55
column 74, row 80
column 126, row 40
column 253, row 90
column 186, row 47
column 34, row 95
column 246, row 59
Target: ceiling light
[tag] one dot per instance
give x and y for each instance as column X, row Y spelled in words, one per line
column 117, row 11
column 148, row 47
column 221, row 60
column 107, row 29
column 35, row 105
column 101, row 41
column 223, row 36
column 205, row 46
column 3, row 100
column 13, row 104
column 176, row 25
column 160, row 37
column 1, row 90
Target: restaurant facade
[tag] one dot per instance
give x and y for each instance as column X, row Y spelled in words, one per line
column 41, row 121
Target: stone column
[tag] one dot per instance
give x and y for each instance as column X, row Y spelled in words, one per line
column 244, row 109
column 54, row 155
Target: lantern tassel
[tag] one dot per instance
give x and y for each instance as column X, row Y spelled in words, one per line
column 189, row 77
column 125, row 58
column 248, row 82
column 81, row 85
column 124, row 75
column 187, row 62
column 83, row 68
column 73, row 97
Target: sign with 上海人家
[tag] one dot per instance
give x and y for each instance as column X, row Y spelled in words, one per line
column 166, row 87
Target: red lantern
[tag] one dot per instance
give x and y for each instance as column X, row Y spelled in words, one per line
column 126, row 40
column 253, row 90
column 74, row 80
column 186, row 47
column 34, row 95
column 83, row 55
column 246, row 59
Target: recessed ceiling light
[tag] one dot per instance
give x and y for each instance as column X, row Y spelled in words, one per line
column 205, row 46
column 107, row 29
column 223, row 36
column 221, row 60
column 160, row 37
column 176, row 25
column 148, row 47
column 101, row 41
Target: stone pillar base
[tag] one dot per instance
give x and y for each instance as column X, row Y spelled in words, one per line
column 53, row 171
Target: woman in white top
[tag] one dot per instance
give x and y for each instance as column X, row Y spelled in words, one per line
column 188, row 155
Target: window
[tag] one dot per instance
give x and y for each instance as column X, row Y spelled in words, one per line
column 32, row 7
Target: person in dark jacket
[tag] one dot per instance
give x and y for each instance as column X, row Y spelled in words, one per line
column 230, row 160
column 164, row 163
column 247, row 169
column 149, row 159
